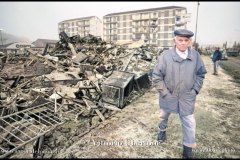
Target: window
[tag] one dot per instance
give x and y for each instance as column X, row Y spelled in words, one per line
column 137, row 24
column 128, row 24
column 170, row 43
column 130, row 17
column 165, row 21
column 154, row 36
column 80, row 23
column 161, row 28
column 114, row 19
column 165, row 35
column 183, row 11
column 137, row 16
column 165, row 43
column 178, row 18
column 114, row 37
column 120, row 31
column 128, row 30
column 87, row 23
column 120, row 18
column 166, row 14
column 161, row 43
column 145, row 29
column 145, row 15
column 146, row 36
column 161, row 14
column 170, row 35
column 161, row 21
column 138, row 36
column 165, row 28
column 173, row 12
column 124, row 17
column 146, row 23
column 160, row 35
column 129, row 37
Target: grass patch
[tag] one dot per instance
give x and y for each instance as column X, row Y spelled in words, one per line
column 221, row 94
column 232, row 67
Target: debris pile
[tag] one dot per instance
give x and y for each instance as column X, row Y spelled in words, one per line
column 76, row 78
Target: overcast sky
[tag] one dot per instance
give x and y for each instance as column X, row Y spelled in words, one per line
column 218, row 22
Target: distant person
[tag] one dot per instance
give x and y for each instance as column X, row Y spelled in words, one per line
column 216, row 57
column 178, row 77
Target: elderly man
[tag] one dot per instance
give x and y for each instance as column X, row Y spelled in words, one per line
column 178, row 77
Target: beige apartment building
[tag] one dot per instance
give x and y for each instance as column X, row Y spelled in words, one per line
column 82, row 26
column 154, row 25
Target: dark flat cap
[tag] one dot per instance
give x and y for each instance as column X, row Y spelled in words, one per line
column 183, row 33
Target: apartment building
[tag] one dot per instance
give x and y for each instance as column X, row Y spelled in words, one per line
column 82, row 26
column 154, row 25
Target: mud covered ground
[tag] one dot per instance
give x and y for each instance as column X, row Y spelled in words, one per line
column 132, row 132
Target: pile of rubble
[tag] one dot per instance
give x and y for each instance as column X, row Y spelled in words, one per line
column 78, row 77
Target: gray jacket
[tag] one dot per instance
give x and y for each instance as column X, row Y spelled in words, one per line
column 178, row 80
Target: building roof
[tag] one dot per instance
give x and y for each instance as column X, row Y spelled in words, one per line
column 6, row 45
column 146, row 10
column 43, row 42
column 77, row 19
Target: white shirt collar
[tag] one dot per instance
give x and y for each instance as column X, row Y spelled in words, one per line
column 183, row 55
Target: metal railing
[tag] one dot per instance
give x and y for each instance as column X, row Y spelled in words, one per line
column 23, row 127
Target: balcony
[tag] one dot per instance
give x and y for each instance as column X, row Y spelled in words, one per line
column 112, row 34
column 110, row 21
column 154, row 18
column 86, row 25
column 110, row 28
column 141, row 31
column 140, row 18
column 142, row 25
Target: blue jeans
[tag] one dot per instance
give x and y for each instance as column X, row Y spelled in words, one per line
column 188, row 127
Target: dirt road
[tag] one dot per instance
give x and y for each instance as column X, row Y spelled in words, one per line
column 132, row 132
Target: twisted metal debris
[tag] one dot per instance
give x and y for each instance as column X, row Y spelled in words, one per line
column 77, row 77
